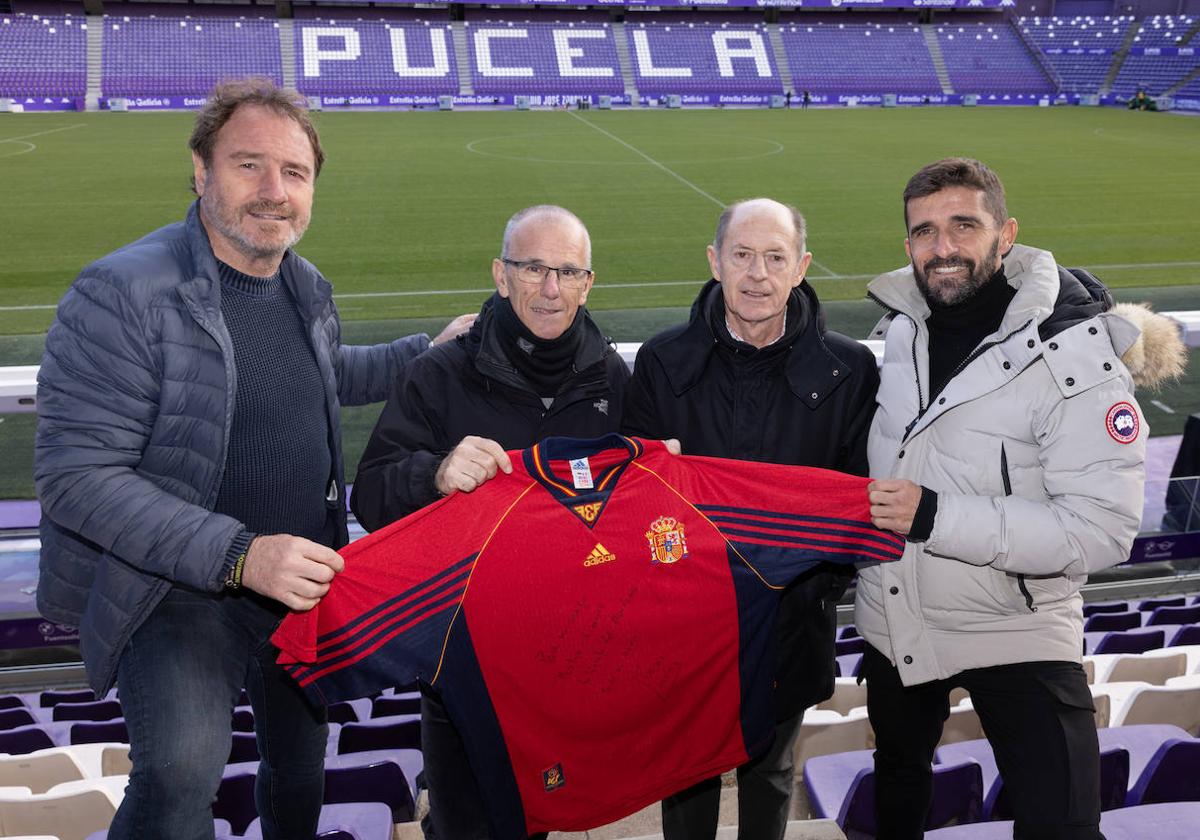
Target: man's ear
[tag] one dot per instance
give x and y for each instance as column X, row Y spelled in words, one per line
column 199, row 173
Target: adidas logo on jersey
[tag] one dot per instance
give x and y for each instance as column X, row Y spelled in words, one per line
column 599, row 555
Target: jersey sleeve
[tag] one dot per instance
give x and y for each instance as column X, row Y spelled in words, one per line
column 781, row 520
column 386, row 617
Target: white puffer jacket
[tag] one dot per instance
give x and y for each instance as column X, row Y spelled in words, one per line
column 1035, row 448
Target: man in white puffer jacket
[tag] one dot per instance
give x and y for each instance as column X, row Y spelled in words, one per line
column 1008, row 448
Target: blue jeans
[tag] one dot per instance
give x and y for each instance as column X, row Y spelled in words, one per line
column 178, row 679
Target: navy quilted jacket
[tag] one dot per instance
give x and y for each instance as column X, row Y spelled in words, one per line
column 135, row 403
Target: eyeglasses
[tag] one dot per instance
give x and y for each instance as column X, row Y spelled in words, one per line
column 535, row 274
column 776, row 262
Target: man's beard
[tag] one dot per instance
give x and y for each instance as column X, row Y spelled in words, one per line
column 954, row 292
column 229, row 220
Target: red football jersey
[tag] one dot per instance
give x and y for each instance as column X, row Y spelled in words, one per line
column 599, row 622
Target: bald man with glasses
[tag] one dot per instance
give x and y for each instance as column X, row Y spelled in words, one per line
column 533, row 365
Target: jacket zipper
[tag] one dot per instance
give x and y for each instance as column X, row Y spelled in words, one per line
column 1008, row 492
column 979, row 351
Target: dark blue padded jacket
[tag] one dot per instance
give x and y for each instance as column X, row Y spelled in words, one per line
column 135, row 403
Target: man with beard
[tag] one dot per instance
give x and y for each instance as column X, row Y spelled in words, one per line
column 1007, row 448
column 189, row 467
column 534, row 365
column 755, row 375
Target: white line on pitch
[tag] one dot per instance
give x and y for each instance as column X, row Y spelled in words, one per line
column 675, row 175
column 605, row 286
column 41, row 133
column 1162, row 406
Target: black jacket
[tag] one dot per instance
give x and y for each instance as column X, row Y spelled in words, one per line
column 808, row 402
column 468, row 387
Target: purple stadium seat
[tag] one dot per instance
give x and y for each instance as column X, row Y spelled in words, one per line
column 358, row 821
column 1187, row 635
column 1114, row 774
column 842, row 787
column 97, row 710
column 1105, row 607
column 1168, row 821
column 1171, row 775
column 411, row 762
column 1174, row 615
column 11, row 701
column 244, row 747
column 52, row 698
column 235, row 799
column 342, row 712
column 848, row 632
column 12, row 718
column 845, row 647
column 100, row 732
column 402, row 732
column 243, row 720
column 975, row 831
column 1112, row 621
column 1130, row 641
column 24, row 739
column 378, row 781
column 1151, row 604
column 849, row 665
column 396, row 704
column 1141, row 741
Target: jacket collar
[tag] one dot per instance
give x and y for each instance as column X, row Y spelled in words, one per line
column 813, row 371
column 1031, row 271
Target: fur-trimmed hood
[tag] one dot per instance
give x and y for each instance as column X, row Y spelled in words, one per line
column 1159, row 354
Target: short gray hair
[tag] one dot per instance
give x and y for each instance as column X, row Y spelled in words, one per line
column 798, row 223
column 550, row 211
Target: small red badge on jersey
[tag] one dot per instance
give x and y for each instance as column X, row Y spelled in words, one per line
column 1122, row 423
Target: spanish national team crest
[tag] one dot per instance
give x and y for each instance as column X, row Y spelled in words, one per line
column 1122, row 423
column 667, row 543
column 553, row 778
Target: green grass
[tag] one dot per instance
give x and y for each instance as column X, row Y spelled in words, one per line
column 411, row 206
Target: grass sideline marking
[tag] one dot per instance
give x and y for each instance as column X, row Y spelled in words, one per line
column 30, row 307
column 32, row 146
column 829, row 271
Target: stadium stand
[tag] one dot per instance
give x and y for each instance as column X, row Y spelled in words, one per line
column 859, row 58
column 1153, row 64
column 148, row 56
column 702, row 58
column 343, row 57
column 43, row 55
column 990, row 58
column 1080, row 49
column 540, row 57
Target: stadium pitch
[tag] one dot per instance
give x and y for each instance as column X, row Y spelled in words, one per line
column 410, row 207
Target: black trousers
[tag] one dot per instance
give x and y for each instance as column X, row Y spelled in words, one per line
column 765, row 787
column 456, row 807
column 1039, row 719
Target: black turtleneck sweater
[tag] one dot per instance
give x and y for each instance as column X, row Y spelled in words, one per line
column 278, row 464
column 955, row 331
